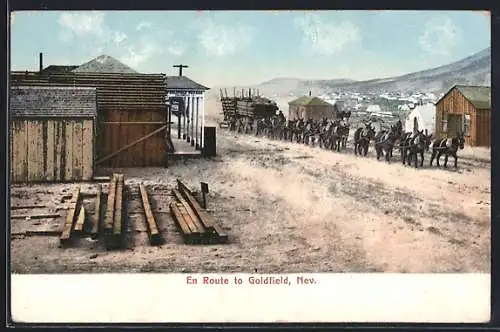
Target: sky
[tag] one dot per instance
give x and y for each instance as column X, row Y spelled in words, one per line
column 224, row 48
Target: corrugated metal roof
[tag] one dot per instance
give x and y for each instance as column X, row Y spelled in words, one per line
column 40, row 101
column 479, row 96
column 183, row 83
column 309, row 101
column 104, row 64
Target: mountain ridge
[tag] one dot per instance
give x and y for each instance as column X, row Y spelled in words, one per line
column 471, row 70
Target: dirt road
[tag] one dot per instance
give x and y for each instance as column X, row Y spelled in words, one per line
column 293, row 208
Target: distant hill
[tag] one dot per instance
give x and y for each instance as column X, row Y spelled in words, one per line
column 474, row 70
column 104, row 64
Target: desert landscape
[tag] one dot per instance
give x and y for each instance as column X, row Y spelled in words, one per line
column 288, row 208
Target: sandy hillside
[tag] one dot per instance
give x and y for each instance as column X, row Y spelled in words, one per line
column 294, row 208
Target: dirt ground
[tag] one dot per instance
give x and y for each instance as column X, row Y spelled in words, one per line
column 286, row 208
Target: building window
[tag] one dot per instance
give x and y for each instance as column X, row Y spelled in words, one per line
column 466, row 124
column 444, row 122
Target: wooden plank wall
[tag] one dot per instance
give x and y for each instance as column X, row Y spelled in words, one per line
column 113, row 136
column 317, row 112
column 120, row 98
column 483, row 128
column 46, row 150
column 455, row 103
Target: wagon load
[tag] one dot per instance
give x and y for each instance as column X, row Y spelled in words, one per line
column 256, row 107
column 242, row 113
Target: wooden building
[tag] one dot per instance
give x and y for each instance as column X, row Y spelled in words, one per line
column 131, row 112
column 52, row 133
column 188, row 97
column 306, row 107
column 465, row 109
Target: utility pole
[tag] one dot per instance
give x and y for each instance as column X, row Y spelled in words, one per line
column 180, row 68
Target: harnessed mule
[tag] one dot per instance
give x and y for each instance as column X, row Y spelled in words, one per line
column 384, row 143
column 448, row 147
column 404, row 143
column 418, row 144
column 362, row 138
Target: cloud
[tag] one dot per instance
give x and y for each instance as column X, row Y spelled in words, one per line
column 83, row 23
column 139, row 54
column 176, row 49
column 91, row 26
column 440, row 36
column 327, row 38
column 143, row 25
column 119, row 37
column 221, row 40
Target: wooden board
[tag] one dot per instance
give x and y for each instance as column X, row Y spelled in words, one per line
column 20, row 151
column 66, row 233
column 187, row 219
column 36, row 216
column 117, row 224
column 68, row 151
column 97, row 214
column 80, row 222
column 88, row 150
column 198, row 226
column 19, row 207
column 206, row 219
column 77, row 163
column 154, row 234
column 50, row 165
column 59, row 128
column 110, row 207
column 32, row 145
column 181, row 222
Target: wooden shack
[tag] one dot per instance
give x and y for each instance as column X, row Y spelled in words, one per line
column 465, row 109
column 306, row 107
column 131, row 112
column 52, row 133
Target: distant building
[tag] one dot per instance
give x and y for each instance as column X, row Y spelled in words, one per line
column 307, row 107
column 421, row 117
column 465, row 109
column 373, row 109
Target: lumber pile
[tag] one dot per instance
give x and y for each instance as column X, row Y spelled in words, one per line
column 113, row 219
column 195, row 223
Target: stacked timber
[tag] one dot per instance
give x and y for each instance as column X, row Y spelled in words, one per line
column 113, row 219
column 256, row 107
column 195, row 223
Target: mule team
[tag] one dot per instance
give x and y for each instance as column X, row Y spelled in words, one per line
column 333, row 135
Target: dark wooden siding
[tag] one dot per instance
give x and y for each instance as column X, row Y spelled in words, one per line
column 483, row 127
column 117, row 129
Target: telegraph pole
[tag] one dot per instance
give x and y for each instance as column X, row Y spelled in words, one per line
column 180, row 68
